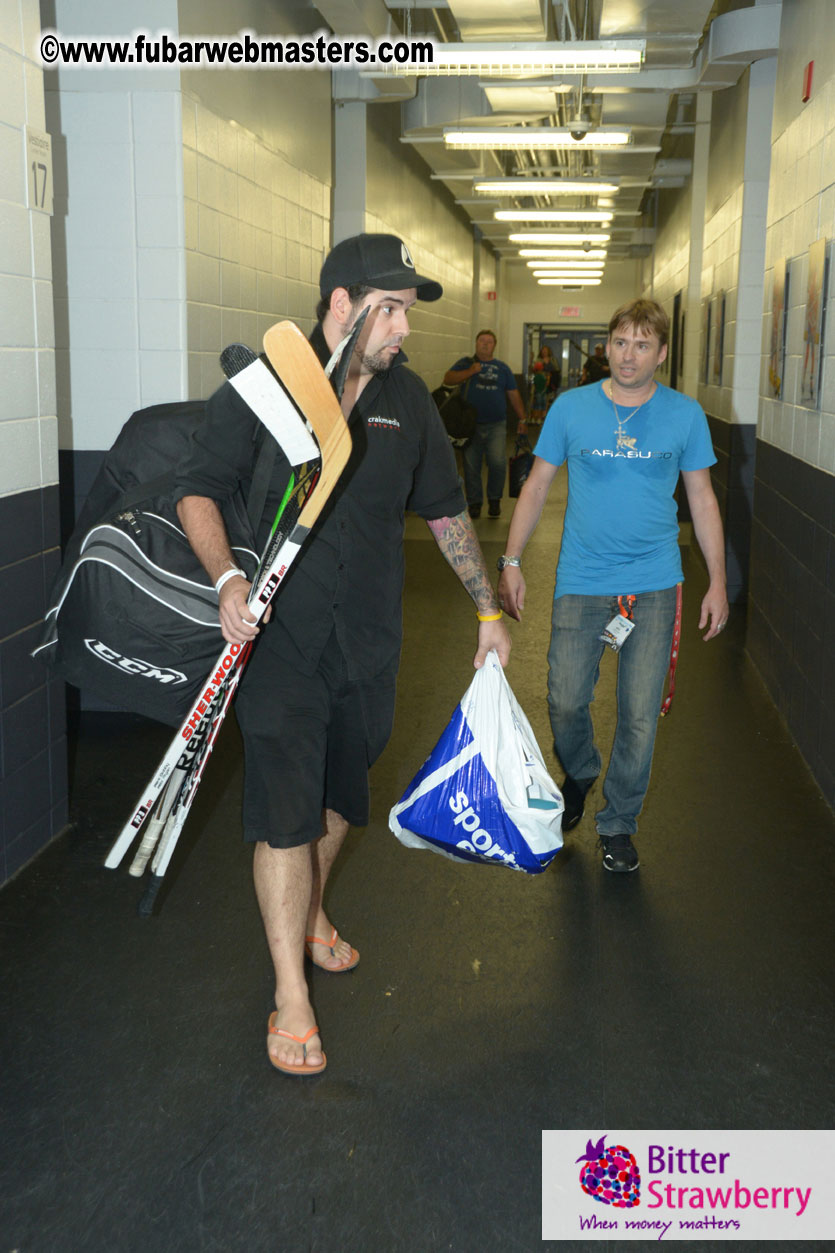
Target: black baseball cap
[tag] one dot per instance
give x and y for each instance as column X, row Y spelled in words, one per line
column 381, row 261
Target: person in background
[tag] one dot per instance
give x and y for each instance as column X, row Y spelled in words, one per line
column 545, row 381
column 553, row 373
column 539, row 391
column 596, row 367
column 485, row 382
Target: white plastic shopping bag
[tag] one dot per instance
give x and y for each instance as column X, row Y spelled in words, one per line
column 483, row 793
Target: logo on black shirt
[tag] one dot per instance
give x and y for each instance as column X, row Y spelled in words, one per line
column 383, row 424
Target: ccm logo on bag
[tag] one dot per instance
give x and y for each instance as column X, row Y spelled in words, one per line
column 480, row 841
column 134, row 665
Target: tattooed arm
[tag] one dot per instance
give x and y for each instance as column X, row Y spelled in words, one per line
column 459, row 544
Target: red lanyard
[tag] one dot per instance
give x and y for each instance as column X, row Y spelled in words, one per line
column 668, row 699
column 625, row 605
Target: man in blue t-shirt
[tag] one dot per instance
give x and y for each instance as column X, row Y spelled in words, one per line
column 625, row 441
column 484, row 384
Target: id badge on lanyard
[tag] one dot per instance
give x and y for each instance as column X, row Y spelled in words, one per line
column 619, row 629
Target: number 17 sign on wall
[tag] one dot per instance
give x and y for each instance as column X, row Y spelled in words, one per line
column 38, row 170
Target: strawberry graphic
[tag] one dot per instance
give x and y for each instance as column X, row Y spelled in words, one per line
column 610, row 1175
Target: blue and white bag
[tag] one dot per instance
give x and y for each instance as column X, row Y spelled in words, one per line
column 484, row 794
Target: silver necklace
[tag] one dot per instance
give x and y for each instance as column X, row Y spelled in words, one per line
column 623, row 441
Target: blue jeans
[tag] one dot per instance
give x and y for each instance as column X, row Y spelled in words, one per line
column 490, row 439
column 574, row 668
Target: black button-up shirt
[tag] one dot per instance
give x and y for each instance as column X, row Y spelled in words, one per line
column 349, row 574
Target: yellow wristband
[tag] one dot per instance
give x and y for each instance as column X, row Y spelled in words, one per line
column 489, row 617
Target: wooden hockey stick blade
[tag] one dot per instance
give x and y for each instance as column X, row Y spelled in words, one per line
column 301, row 374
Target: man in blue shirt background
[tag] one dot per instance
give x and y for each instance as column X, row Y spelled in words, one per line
column 485, row 382
column 625, row 440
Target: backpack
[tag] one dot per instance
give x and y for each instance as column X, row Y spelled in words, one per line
column 133, row 616
column 457, row 414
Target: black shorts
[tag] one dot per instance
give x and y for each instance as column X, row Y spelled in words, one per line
column 309, row 742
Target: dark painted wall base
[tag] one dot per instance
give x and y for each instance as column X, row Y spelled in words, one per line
column 77, row 471
column 791, row 618
column 733, row 482
column 33, row 743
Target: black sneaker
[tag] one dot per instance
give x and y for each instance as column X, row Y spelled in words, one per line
column 475, row 511
column 495, row 509
column 619, row 853
column 574, row 798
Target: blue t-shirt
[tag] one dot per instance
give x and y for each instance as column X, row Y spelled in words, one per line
column 621, row 529
column 486, row 390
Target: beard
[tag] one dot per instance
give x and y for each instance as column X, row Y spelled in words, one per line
column 376, row 362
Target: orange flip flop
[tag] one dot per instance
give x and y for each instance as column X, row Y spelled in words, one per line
column 349, row 962
column 284, row 1067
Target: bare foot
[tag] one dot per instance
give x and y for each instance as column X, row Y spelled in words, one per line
column 325, row 948
column 293, row 1041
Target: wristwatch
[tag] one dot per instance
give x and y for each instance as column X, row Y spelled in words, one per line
column 508, row 561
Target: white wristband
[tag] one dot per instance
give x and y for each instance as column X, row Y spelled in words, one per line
column 226, row 576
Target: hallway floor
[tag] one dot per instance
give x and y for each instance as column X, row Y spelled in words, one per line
column 140, row 1112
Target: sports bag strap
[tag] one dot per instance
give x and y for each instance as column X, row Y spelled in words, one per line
column 259, row 486
column 164, row 483
column 159, row 486
column 463, row 388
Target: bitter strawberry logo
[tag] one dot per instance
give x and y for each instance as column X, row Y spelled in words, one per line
column 610, row 1175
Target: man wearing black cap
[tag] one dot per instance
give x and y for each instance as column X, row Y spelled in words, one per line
column 317, row 699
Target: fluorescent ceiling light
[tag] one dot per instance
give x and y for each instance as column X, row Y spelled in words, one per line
column 572, row 274
column 581, row 263
column 592, row 255
column 544, row 187
column 601, row 56
column 532, row 137
column 559, row 237
column 553, row 215
column 569, row 282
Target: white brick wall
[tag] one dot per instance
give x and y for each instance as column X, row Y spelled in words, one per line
column 256, row 233
column 28, row 427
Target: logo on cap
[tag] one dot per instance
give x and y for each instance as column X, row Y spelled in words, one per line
column 407, row 256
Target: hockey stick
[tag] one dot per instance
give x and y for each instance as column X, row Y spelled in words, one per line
column 199, row 748
column 181, row 753
column 309, row 387
column 316, row 402
column 262, row 394
column 235, row 360
column 172, row 807
column 241, row 363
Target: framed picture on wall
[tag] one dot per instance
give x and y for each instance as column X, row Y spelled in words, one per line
column 777, row 356
column 719, row 347
column 812, row 326
column 707, row 327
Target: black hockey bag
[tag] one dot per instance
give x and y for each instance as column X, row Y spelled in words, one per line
column 457, row 414
column 133, row 616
